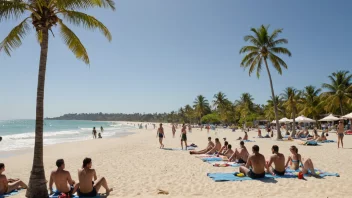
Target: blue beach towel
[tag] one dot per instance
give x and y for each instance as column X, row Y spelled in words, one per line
column 57, row 193
column 189, row 148
column 212, row 159
column 248, row 140
column 15, row 192
column 328, row 141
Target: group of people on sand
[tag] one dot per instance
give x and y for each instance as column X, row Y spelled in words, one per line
column 94, row 132
column 161, row 134
column 88, row 185
column 255, row 165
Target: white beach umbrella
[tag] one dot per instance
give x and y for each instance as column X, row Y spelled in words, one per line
column 329, row 118
column 348, row 116
column 285, row 120
column 273, row 122
column 303, row 119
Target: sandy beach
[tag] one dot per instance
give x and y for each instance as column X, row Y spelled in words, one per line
column 135, row 166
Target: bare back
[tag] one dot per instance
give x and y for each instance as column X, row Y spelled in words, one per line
column 257, row 162
column 3, row 184
column 86, row 178
column 62, row 180
column 279, row 161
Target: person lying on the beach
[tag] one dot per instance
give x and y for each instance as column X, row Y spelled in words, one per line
column 245, row 137
column 62, row 180
column 89, row 184
column 223, row 148
column 240, row 155
column 322, row 138
column 295, row 160
column 279, row 161
column 229, row 152
column 216, row 148
column 255, row 166
column 209, row 147
column 9, row 185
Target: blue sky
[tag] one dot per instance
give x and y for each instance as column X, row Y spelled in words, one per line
column 166, row 52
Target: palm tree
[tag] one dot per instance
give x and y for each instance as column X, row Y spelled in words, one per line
column 182, row 114
column 309, row 102
column 291, row 97
column 265, row 47
column 246, row 100
column 189, row 112
column 219, row 100
column 43, row 15
column 339, row 91
column 269, row 108
column 201, row 106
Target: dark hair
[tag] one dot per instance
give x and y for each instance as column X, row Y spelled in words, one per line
column 209, row 138
column 59, row 162
column 86, row 161
column 229, row 146
column 294, row 148
column 2, row 165
column 216, row 139
column 255, row 148
column 226, row 143
column 275, row 148
column 242, row 143
column 0, row 138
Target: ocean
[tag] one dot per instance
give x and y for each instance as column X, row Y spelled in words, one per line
column 19, row 134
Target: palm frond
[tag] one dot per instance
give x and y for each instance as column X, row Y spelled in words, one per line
column 252, row 39
column 278, row 62
column 11, row 9
column 278, row 42
column 246, row 59
column 249, row 49
column 87, row 21
column 280, row 50
column 14, row 38
column 82, row 4
column 275, row 34
column 73, row 42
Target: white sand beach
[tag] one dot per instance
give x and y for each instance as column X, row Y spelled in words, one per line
column 135, row 166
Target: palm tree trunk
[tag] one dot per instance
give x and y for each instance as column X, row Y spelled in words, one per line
column 37, row 181
column 341, row 107
column 294, row 124
column 279, row 136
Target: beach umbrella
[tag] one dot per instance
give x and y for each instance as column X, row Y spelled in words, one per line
column 273, row 122
column 348, row 116
column 285, row 120
column 303, row 119
column 329, row 118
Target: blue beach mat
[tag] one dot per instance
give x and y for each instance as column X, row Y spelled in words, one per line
column 211, row 159
column 189, row 148
column 15, row 192
column 248, row 140
column 221, row 177
column 328, row 141
column 225, row 164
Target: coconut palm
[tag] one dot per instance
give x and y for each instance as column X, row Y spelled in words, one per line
column 246, row 100
column 219, row 100
column 189, row 112
column 182, row 114
column 339, row 91
column 291, row 98
column 201, row 106
column 309, row 102
column 43, row 16
column 265, row 47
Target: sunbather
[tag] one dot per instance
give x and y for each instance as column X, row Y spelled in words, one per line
column 9, row 185
column 223, row 148
column 279, row 161
column 322, row 138
column 240, row 155
column 62, row 180
column 216, row 148
column 89, row 184
column 295, row 160
column 229, row 152
column 255, row 166
column 245, row 137
column 208, row 148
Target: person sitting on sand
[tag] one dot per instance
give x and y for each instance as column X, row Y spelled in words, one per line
column 245, row 137
column 316, row 136
column 255, row 166
column 295, row 160
column 259, row 133
column 216, row 148
column 229, row 152
column 9, row 185
column 209, row 147
column 322, row 138
column 62, row 179
column 224, row 148
column 240, row 155
column 279, row 161
column 89, row 184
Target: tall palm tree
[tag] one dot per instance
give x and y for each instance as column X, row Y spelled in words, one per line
column 265, row 47
column 189, row 112
column 182, row 114
column 309, row 102
column 291, row 97
column 339, row 91
column 246, row 99
column 201, row 106
column 219, row 100
column 43, row 15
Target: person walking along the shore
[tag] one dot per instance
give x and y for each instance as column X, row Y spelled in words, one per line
column 161, row 135
column 340, row 133
column 183, row 136
column 94, row 132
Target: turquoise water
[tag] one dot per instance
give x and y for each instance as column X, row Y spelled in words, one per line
column 19, row 134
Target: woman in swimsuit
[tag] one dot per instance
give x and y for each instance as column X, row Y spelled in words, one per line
column 161, row 135
column 173, row 130
column 295, row 160
column 340, row 134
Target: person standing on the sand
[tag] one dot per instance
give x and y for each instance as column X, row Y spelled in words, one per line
column 94, row 132
column 183, row 136
column 173, row 130
column 340, row 133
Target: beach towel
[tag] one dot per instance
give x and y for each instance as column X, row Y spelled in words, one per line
column 15, row 192
column 328, row 141
column 189, row 148
column 226, row 164
column 211, row 159
column 204, row 156
column 309, row 143
column 221, row 177
column 57, row 193
column 248, row 140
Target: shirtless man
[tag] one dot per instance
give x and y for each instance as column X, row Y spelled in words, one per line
column 340, row 133
column 255, row 166
column 209, row 147
column 240, row 155
column 89, row 184
column 9, row 185
column 245, row 137
column 229, row 152
column 216, row 148
column 62, row 180
column 183, row 136
column 224, row 148
column 279, row 161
